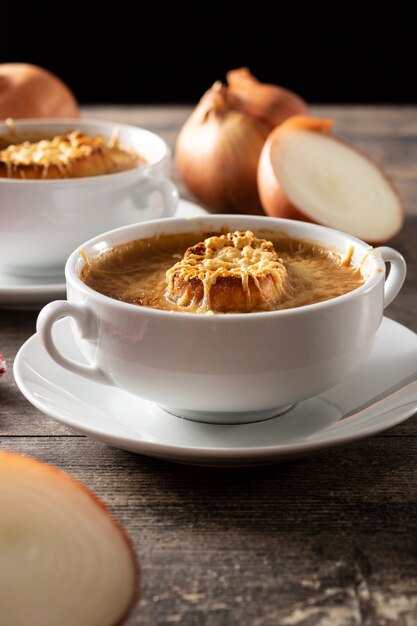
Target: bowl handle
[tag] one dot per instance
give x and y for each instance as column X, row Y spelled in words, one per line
column 88, row 327
column 168, row 191
column 396, row 275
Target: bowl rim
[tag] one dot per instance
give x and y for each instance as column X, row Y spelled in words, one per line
column 74, row 281
column 38, row 122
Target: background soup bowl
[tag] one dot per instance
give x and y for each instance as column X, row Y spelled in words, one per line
column 225, row 368
column 42, row 221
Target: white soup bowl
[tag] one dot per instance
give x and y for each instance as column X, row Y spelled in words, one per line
column 42, row 221
column 224, row 368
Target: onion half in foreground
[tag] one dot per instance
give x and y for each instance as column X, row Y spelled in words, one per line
column 63, row 557
column 307, row 173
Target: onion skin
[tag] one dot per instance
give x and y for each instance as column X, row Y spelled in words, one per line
column 269, row 103
column 29, row 91
column 221, row 160
column 273, row 198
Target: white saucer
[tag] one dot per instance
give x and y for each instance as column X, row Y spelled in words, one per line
column 124, row 420
column 31, row 293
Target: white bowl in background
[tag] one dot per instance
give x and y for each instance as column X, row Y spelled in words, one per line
column 42, row 221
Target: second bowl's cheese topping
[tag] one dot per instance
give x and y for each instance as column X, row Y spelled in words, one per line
column 62, row 151
column 234, row 255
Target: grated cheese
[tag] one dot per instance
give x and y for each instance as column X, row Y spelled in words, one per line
column 61, row 151
column 238, row 254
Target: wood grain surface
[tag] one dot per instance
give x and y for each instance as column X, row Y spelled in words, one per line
column 329, row 540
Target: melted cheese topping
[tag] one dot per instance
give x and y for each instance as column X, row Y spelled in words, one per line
column 238, row 254
column 61, row 151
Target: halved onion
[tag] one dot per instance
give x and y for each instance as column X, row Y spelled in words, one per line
column 63, row 557
column 307, row 173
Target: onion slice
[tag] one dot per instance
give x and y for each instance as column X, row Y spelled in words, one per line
column 307, row 173
column 63, row 557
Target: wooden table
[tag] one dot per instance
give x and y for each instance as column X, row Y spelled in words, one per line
column 327, row 540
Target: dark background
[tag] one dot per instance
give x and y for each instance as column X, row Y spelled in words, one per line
column 131, row 54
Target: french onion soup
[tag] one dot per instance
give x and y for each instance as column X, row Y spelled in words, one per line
column 227, row 272
column 71, row 155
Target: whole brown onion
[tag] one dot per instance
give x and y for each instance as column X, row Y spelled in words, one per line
column 28, row 91
column 219, row 146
